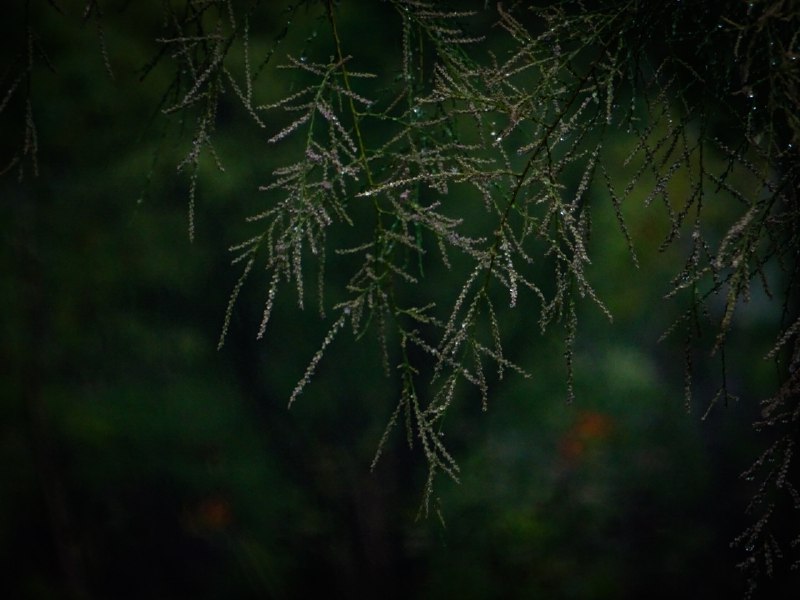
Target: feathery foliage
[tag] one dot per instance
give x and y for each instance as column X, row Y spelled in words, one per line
column 528, row 115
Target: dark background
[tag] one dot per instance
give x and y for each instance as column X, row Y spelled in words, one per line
column 137, row 461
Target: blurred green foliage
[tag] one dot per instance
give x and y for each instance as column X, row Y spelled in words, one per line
column 139, row 462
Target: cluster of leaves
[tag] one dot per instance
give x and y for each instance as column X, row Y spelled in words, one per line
column 527, row 128
column 517, row 129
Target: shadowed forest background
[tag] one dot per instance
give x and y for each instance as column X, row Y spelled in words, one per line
column 138, row 461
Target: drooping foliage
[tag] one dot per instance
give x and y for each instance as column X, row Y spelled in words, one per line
column 485, row 149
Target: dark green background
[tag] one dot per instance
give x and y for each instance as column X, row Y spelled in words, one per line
column 139, row 462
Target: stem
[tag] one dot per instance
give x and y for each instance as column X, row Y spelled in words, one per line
column 346, row 78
